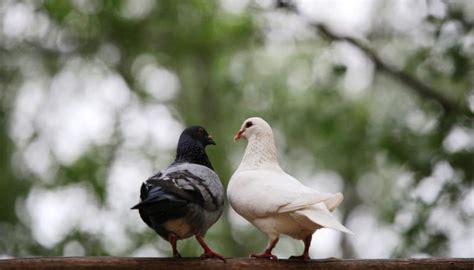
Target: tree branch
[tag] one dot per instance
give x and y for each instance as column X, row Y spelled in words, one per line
column 105, row 263
column 417, row 86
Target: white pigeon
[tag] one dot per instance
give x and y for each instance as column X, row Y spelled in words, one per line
column 274, row 201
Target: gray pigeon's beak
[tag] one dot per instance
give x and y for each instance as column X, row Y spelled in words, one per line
column 210, row 140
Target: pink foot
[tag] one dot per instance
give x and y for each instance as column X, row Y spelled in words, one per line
column 172, row 238
column 304, row 257
column 211, row 254
column 208, row 252
column 265, row 255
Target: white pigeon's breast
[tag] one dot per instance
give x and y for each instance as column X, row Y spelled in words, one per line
column 244, row 193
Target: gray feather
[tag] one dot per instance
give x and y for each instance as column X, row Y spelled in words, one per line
column 202, row 179
column 198, row 185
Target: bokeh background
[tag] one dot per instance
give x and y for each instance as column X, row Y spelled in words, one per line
column 94, row 95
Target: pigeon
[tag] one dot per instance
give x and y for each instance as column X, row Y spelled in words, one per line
column 272, row 200
column 187, row 198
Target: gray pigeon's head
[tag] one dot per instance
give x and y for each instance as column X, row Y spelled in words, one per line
column 192, row 146
column 198, row 134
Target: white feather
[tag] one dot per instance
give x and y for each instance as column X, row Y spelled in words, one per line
column 272, row 200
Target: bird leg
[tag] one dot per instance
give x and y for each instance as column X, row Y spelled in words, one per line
column 305, row 256
column 172, row 238
column 267, row 254
column 208, row 252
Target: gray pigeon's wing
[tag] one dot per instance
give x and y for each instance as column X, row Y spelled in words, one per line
column 194, row 183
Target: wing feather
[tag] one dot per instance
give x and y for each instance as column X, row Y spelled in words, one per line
column 320, row 216
column 184, row 183
column 268, row 192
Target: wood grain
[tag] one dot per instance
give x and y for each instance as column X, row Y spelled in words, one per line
column 103, row 263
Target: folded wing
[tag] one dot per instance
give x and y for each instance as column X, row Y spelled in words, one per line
column 307, row 206
column 316, row 216
column 181, row 185
column 278, row 192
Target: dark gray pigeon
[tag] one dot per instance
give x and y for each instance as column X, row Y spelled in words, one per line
column 187, row 198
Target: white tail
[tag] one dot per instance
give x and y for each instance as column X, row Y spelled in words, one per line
column 321, row 217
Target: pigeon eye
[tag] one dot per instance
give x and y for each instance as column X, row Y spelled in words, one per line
column 248, row 124
column 200, row 131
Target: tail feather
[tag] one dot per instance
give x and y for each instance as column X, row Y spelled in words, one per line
column 143, row 195
column 319, row 215
column 334, row 201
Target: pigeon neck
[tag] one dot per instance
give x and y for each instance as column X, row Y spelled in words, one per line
column 260, row 152
column 191, row 151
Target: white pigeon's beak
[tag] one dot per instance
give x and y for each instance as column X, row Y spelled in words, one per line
column 238, row 135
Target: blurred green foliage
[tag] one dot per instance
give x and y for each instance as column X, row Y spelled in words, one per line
column 229, row 70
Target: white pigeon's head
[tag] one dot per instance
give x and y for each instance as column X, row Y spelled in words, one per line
column 253, row 126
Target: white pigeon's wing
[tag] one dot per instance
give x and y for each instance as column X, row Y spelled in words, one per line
column 318, row 216
column 268, row 192
column 312, row 197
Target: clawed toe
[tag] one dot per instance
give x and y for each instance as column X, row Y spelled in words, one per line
column 209, row 255
column 264, row 256
column 301, row 258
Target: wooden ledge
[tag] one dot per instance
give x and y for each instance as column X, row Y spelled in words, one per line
column 232, row 263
